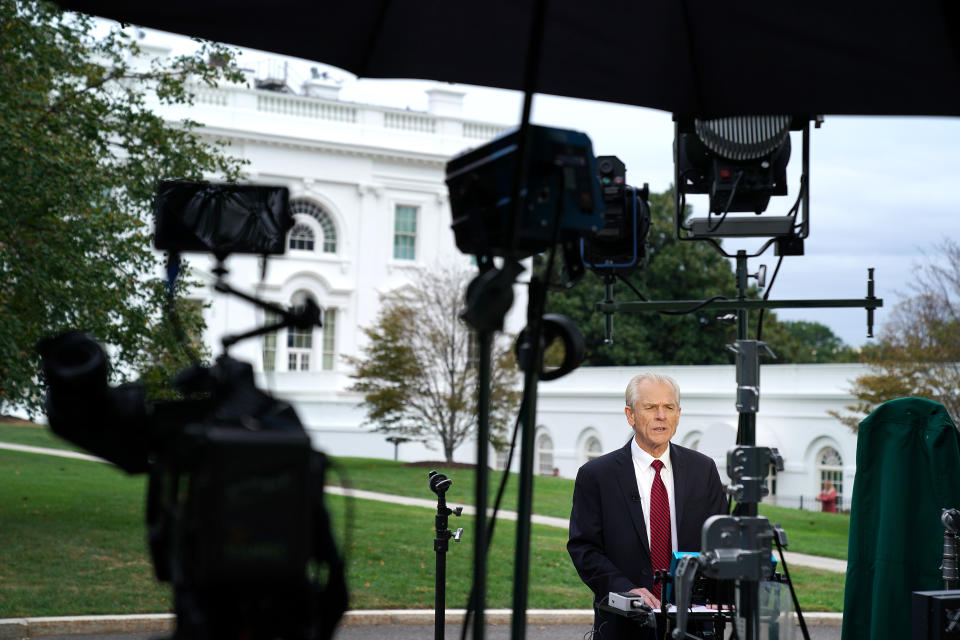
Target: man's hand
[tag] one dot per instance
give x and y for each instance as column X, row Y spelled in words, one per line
column 648, row 598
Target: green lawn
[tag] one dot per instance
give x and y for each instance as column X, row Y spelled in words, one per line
column 551, row 496
column 72, row 542
column 810, row 532
column 823, row 534
column 813, row 532
column 35, row 436
column 72, row 539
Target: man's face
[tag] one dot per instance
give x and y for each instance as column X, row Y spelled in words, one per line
column 655, row 416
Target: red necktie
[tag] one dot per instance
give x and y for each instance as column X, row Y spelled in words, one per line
column 661, row 543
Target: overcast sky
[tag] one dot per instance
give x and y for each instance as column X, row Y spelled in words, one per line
column 884, row 191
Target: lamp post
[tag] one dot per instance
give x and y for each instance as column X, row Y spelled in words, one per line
column 397, row 441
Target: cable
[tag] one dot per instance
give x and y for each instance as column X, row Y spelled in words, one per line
column 793, row 594
column 632, row 287
column 695, row 307
column 726, row 208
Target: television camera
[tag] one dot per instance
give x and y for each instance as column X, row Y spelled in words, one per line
column 235, row 517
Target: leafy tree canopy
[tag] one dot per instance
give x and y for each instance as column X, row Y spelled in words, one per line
column 683, row 271
column 918, row 350
column 80, row 155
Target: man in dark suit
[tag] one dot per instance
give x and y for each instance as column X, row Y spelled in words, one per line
column 632, row 507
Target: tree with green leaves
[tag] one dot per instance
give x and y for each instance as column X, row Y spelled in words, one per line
column 81, row 153
column 682, row 271
column 675, row 270
column 418, row 372
column 795, row 341
column 918, row 350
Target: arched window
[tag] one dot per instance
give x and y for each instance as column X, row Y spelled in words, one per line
column 306, row 349
column 314, row 211
column 299, row 341
column 544, row 455
column 592, row 448
column 301, row 237
column 830, row 469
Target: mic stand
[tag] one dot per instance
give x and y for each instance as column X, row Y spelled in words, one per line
column 439, row 484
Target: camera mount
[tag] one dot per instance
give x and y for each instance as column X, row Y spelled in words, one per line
column 236, row 517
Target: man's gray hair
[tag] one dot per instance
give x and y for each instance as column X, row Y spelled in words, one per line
column 631, row 395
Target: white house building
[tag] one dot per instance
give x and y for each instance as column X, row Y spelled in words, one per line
column 371, row 208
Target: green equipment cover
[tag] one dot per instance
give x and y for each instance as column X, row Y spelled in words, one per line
column 908, row 470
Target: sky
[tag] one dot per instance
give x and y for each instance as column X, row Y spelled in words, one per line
column 884, row 191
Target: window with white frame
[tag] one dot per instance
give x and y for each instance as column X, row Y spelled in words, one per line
column 544, row 455
column 301, row 238
column 771, row 497
column 299, row 341
column 270, row 343
column 301, row 349
column 830, row 469
column 329, row 346
column 306, row 211
column 405, row 233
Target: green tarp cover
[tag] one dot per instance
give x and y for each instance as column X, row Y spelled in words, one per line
column 908, row 470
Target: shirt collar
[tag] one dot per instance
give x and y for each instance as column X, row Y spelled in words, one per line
column 644, row 459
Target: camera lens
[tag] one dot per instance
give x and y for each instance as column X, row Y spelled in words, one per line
column 74, row 362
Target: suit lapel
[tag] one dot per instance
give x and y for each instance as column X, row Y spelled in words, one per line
column 680, row 484
column 627, row 480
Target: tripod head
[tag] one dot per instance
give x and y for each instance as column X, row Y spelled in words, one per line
column 439, row 483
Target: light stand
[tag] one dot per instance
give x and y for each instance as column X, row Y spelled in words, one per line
column 439, row 484
column 739, row 548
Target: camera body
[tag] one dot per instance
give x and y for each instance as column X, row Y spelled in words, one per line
column 235, row 513
column 560, row 190
column 618, row 247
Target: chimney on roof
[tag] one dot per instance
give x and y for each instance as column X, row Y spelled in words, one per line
column 445, row 102
column 321, row 85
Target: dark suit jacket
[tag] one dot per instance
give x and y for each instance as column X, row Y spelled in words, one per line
column 608, row 542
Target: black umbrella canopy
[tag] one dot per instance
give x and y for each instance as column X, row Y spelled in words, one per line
column 692, row 57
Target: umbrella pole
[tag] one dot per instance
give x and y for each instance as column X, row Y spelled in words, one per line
column 535, row 305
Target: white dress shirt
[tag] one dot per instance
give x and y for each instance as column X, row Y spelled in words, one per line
column 645, row 475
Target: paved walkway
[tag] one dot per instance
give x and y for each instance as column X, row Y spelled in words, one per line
column 47, row 451
column 799, row 559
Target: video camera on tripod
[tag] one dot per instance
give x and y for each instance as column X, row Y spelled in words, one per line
column 235, row 513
